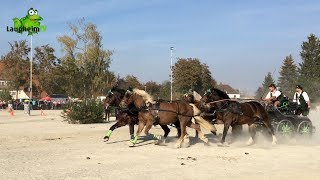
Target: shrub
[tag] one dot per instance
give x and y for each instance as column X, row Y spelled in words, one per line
column 84, row 112
column 5, row 95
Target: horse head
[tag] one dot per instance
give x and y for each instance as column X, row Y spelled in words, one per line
column 189, row 98
column 114, row 97
column 214, row 94
column 132, row 97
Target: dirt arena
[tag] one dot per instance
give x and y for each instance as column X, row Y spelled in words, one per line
column 46, row 147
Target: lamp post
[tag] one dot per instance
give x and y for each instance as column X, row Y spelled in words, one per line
column 31, row 57
column 171, row 49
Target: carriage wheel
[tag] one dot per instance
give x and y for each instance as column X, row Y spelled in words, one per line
column 304, row 128
column 285, row 128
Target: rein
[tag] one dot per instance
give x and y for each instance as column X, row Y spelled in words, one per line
column 222, row 109
column 146, row 108
column 164, row 110
column 222, row 100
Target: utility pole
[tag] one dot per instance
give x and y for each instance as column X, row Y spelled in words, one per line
column 171, row 49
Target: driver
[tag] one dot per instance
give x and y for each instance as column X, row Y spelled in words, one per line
column 274, row 96
column 302, row 99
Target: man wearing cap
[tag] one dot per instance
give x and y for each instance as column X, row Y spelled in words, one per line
column 274, row 96
column 302, row 99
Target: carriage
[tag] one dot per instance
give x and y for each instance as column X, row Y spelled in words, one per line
column 286, row 123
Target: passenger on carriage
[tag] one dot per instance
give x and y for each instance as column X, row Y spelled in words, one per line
column 302, row 99
column 274, row 96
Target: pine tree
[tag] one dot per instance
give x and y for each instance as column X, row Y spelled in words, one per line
column 288, row 76
column 263, row 90
column 309, row 69
column 259, row 93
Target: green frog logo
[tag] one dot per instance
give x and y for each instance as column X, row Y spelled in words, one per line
column 30, row 23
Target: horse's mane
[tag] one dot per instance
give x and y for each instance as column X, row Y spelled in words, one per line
column 222, row 94
column 146, row 97
column 196, row 96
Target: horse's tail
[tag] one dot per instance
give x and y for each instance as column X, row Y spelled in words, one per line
column 202, row 122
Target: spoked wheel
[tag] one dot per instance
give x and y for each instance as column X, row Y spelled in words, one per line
column 304, row 128
column 285, row 128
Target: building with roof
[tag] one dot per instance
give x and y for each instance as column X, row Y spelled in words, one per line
column 232, row 93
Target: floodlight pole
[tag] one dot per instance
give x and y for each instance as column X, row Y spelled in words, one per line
column 171, row 49
column 31, row 57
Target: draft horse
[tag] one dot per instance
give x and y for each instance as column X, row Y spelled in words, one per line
column 233, row 113
column 128, row 115
column 163, row 113
column 208, row 113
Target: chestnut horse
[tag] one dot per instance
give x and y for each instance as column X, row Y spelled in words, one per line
column 164, row 113
column 128, row 115
column 235, row 113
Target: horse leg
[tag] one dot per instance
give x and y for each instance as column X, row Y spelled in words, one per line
column 166, row 132
column 252, row 131
column 225, row 131
column 197, row 133
column 177, row 125
column 158, row 138
column 108, row 115
column 201, row 136
column 183, row 124
column 131, row 129
column 133, row 141
column 270, row 130
column 112, row 128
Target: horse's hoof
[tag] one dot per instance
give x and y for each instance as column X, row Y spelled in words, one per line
column 131, row 144
column 204, row 139
column 164, row 141
column 274, row 140
column 157, row 142
column 249, row 142
column 106, row 138
column 186, row 139
column 187, row 144
column 178, row 146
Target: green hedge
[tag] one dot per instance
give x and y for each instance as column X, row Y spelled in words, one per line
column 84, row 112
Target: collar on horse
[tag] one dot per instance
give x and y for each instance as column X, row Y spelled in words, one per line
column 225, row 107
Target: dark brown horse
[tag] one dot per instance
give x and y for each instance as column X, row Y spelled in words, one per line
column 208, row 113
column 234, row 113
column 123, row 118
column 163, row 113
column 127, row 116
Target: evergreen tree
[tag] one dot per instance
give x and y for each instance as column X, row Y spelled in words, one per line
column 288, row 76
column 309, row 69
column 259, row 93
column 263, row 90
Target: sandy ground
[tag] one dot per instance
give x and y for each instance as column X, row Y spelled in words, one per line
column 46, row 147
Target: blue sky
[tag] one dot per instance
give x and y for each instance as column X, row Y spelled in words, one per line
column 240, row 40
